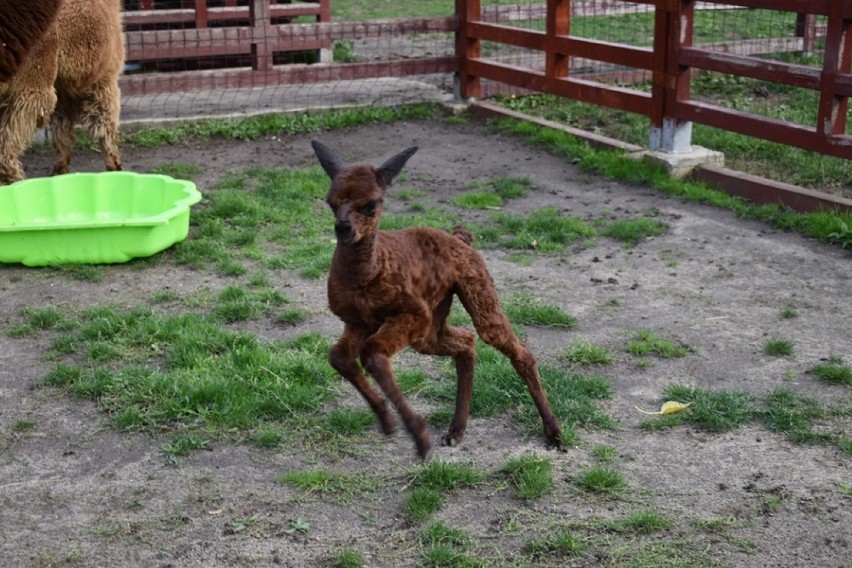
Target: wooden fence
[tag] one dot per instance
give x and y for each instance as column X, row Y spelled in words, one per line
column 258, row 31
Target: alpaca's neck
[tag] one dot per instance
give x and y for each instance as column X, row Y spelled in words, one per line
column 356, row 264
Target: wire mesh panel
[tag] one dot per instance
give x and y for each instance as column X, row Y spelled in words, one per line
column 196, row 58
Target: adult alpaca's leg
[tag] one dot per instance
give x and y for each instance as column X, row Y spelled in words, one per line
column 26, row 103
column 99, row 114
column 62, row 132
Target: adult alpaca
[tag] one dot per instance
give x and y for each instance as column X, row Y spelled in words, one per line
column 70, row 76
column 393, row 289
column 22, row 25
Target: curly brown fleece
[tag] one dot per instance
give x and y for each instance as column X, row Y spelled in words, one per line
column 393, row 289
column 21, row 27
column 69, row 77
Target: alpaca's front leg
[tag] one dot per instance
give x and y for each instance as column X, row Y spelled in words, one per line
column 343, row 359
column 376, row 354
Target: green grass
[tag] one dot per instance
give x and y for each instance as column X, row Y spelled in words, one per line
column 178, row 170
column 833, row 371
column 183, row 445
column 445, row 476
column 645, row 521
column 523, row 309
column 581, row 352
column 543, row 230
column 23, row 425
column 477, row 200
column 158, row 371
column 324, row 482
column 781, row 411
column 531, row 475
column 422, row 502
column 572, row 396
column 828, row 227
column 646, row 342
column 445, row 546
column 604, row 453
column 250, row 128
column 778, row 347
column 602, row 481
column 346, row 558
column 562, row 543
column 633, row 231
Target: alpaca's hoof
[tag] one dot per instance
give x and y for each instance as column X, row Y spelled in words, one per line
column 452, row 438
column 388, row 425
column 424, row 448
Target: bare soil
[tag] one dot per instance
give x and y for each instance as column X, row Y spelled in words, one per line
column 73, row 491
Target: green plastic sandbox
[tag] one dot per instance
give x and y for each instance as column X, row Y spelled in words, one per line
column 93, row 218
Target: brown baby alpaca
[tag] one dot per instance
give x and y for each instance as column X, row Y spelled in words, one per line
column 393, row 289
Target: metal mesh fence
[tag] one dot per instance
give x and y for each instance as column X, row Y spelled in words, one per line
column 188, row 59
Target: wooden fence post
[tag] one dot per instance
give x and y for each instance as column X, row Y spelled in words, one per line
column 832, row 110
column 558, row 23
column 261, row 55
column 467, row 48
column 670, row 80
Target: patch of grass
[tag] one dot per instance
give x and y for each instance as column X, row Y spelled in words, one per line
column 602, row 480
column 511, row 188
column 477, row 200
column 178, row 170
column 346, row 558
column 422, row 502
column 168, row 370
column 793, row 415
column 445, row 476
column 834, row 371
column 829, row 227
column 714, row 411
column 350, row 421
column 646, row 342
column 324, row 482
column 788, row 313
column 267, row 438
column 585, row 353
column 633, row 231
column 604, row 453
column 572, row 396
column 249, row 128
column 543, row 230
column 444, row 546
column 643, row 522
column 183, row 445
column 532, row 476
column 777, row 347
column 236, row 304
column 526, row 310
column 23, row 425
column 562, row 543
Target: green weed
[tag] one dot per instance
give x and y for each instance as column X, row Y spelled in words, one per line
column 834, row 371
column 585, row 353
column 526, row 310
column 532, row 476
column 778, row 347
column 563, row 543
column 633, row 231
column 601, row 480
column 646, row 342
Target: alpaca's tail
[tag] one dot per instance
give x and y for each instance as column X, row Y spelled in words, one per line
column 463, row 234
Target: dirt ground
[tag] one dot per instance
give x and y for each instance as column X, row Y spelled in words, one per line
column 714, row 282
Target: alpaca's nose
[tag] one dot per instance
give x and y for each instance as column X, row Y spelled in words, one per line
column 343, row 228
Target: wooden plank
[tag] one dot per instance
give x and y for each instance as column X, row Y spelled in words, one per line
column 764, row 127
column 573, row 88
column 819, row 7
column 762, row 190
column 217, row 14
column 219, row 79
column 762, row 69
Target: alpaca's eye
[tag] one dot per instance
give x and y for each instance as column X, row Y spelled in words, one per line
column 370, row 208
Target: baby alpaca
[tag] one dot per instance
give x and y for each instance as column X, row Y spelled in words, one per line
column 393, row 289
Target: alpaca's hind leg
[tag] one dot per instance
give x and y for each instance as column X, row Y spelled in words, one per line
column 20, row 114
column 495, row 330
column 459, row 344
column 99, row 115
column 343, row 359
column 62, row 133
column 376, row 354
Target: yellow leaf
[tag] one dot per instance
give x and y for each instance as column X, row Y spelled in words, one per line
column 672, row 406
column 669, row 407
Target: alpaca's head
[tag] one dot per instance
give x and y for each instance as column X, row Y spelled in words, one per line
column 357, row 192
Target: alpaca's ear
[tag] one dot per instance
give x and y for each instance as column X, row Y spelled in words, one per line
column 328, row 158
column 390, row 169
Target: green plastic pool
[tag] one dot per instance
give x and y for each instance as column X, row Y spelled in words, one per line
column 93, row 218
